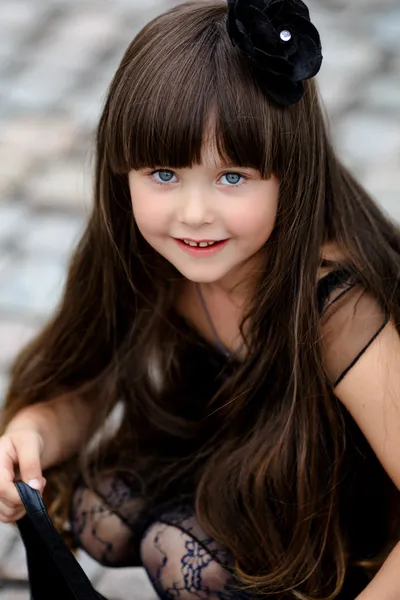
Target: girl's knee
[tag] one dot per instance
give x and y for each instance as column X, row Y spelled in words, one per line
column 178, row 564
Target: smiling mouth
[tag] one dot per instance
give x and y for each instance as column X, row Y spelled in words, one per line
column 201, row 247
column 201, row 244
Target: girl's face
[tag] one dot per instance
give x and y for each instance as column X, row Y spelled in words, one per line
column 207, row 220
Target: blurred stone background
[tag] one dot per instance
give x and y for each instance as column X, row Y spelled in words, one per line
column 57, row 58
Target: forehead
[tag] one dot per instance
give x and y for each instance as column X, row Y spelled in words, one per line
column 210, row 155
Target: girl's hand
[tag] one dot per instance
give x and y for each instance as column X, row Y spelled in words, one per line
column 20, row 452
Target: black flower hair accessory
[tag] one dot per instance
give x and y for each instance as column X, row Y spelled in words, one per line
column 280, row 41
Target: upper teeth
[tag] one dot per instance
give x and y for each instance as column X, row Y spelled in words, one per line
column 201, row 244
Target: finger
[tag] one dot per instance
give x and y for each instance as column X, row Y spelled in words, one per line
column 19, row 515
column 8, row 491
column 12, row 505
column 29, row 462
column 16, row 516
column 7, row 511
column 8, row 457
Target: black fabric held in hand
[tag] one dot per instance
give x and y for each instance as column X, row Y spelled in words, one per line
column 53, row 570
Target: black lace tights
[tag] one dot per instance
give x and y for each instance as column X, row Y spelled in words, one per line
column 113, row 526
column 180, row 559
column 180, row 565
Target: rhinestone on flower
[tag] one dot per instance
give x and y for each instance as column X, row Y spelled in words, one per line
column 285, row 35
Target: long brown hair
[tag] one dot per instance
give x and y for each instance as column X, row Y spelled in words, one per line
column 270, row 469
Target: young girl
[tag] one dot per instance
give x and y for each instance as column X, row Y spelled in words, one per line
column 217, row 397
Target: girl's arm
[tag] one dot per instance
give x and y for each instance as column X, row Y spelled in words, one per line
column 386, row 583
column 62, row 422
column 371, row 393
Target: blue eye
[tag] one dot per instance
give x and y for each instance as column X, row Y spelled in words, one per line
column 165, row 176
column 233, row 178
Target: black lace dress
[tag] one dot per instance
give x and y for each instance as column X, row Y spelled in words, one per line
column 115, row 526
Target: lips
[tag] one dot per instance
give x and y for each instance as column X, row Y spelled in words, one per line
column 201, row 243
column 201, row 247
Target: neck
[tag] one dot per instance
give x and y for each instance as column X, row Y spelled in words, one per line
column 238, row 285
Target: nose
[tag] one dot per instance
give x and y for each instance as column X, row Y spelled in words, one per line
column 195, row 210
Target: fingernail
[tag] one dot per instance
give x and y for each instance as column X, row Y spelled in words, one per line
column 35, row 484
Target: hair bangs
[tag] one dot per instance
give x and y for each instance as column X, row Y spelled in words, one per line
column 186, row 88
column 245, row 127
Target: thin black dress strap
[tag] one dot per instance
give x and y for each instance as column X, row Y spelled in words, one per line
column 352, row 319
column 330, row 282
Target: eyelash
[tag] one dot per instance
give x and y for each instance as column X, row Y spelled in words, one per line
column 236, row 185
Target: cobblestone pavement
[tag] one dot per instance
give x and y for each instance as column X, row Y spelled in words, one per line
column 56, row 60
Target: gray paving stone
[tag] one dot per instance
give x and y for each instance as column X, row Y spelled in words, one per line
column 151, row 5
column 14, row 562
column 63, row 185
column 343, row 54
column 85, row 107
column 14, row 594
column 383, row 93
column 14, row 164
column 75, row 40
column 40, row 87
column 383, row 27
column 8, row 536
column 16, row 21
column 126, row 584
column 56, row 234
column 12, row 216
column 3, row 387
column 365, row 139
column 41, row 137
column 390, row 202
column 348, row 61
column 383, row 182
column 6, row 257
column 89, row 29
column 92, row 568
column 13, row 336
column 31, row 286
column 16, row 16
column 85, row 104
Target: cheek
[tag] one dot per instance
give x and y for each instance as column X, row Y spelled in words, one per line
column 256, row 221
column 150, row 215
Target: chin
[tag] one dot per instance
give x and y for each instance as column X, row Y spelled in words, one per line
column 203, row 276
